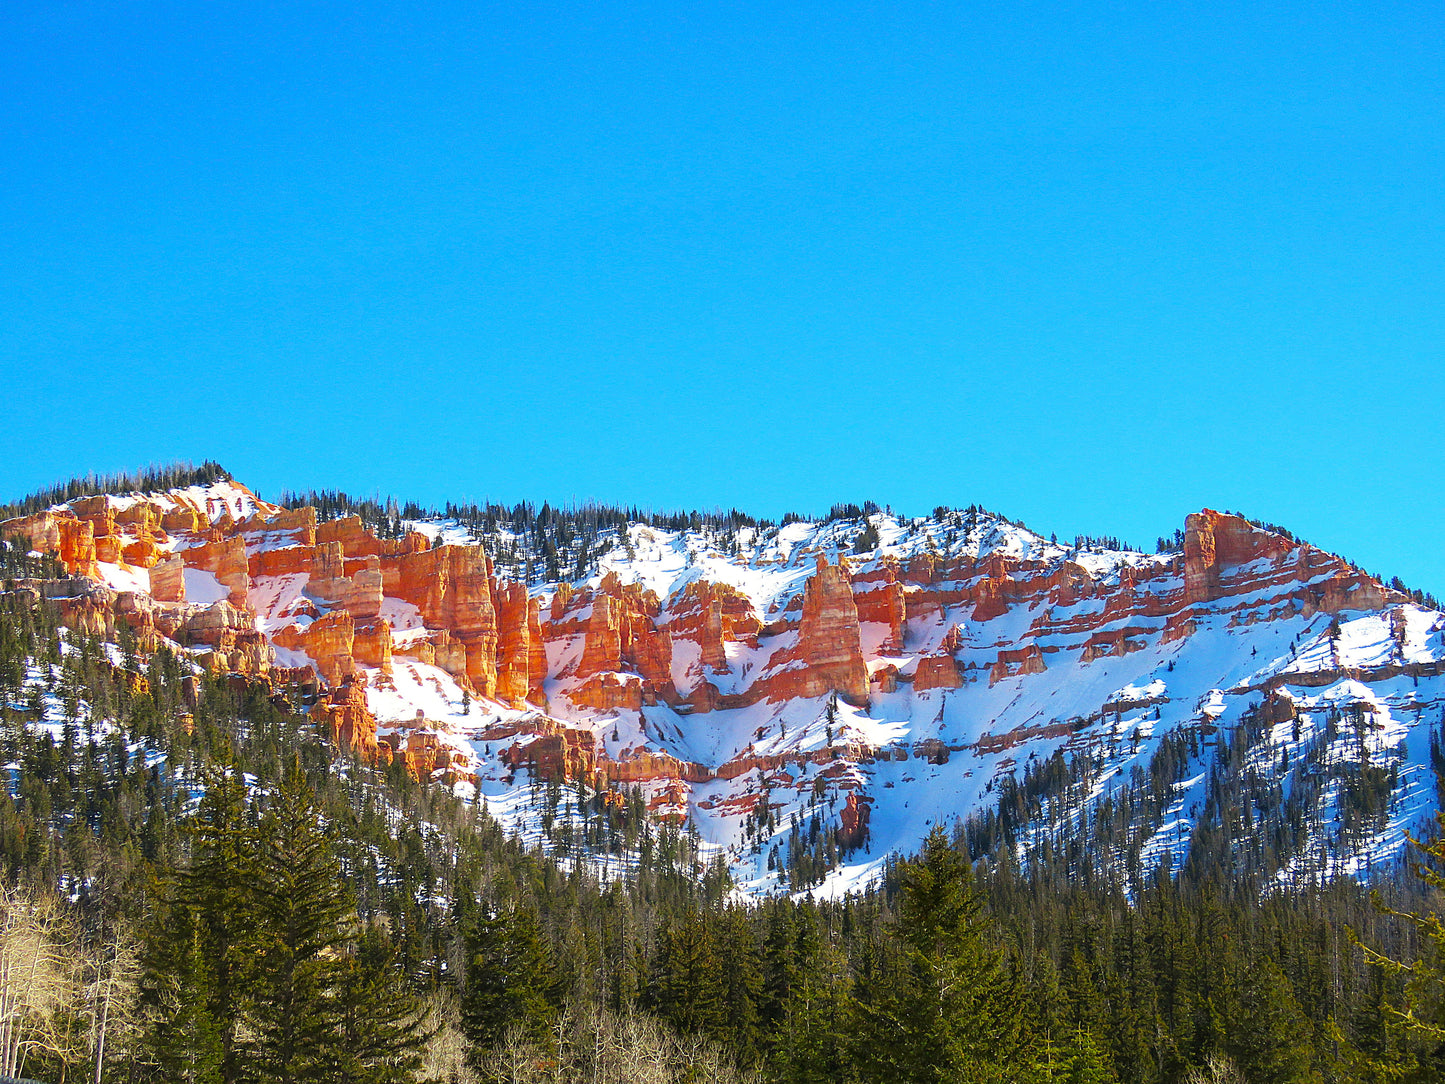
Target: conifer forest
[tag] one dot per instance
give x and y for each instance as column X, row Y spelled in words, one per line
column 200, row 887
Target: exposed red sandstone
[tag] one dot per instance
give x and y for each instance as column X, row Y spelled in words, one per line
column 235, row 645
column 225, row 558
column 328, row 640
column 853, row 822
column 828, row 640
column 521, row 654
column 713, row 615
column 1013, row 661
column 452, row 587
column 609, row 691
column 349, row 720
column 492, row 635
column 371, row 645
column 168, row 583
column 60, row 533
column 936, row 672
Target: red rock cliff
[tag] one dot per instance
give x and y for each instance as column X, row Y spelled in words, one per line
column 828, row 639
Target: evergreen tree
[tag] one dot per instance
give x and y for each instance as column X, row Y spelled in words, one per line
column 382, row 1023
column 1412, row 1043
column 1270, row 1038
column 183, row 1039
column 218, row 888
column 952, row 1011
column 303, row 913
column 509, row 977
column 742, row 982
column 1083, row 1062
column 689, row 980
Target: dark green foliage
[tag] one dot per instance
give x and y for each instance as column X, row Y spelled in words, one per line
column 867, row 539
column 301, row 922
column 510, row 980
column 949, row 1010
column 689, row 981
column 292, row 919
column 183, row 1041
column 253, row 970
column 382, row 1025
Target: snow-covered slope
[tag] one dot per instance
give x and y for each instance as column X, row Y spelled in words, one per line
column 815, row 696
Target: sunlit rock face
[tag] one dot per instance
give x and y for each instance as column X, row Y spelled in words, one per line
column 879, row 684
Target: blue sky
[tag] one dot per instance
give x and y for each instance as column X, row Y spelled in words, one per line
column 1093, row 266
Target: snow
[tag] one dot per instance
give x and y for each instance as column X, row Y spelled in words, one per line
column 279, row 601
column 120, row 577
column 203, row 588
column 1116, row 709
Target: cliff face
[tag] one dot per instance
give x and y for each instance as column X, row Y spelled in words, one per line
column 719, row 680
column 61, row 533
column 828, row 637
column 323, row 588
column 521, row 653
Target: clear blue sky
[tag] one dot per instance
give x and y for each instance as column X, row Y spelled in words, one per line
column 1091, row 265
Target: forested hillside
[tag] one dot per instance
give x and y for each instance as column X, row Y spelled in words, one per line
column 202, row 887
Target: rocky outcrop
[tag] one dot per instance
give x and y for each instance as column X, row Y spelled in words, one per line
column 1225, row 555
column 713, row 615
column 452, row 587
column 828, row 642
column 1013, row 661
column 329, row 641
column 609, row 691
column 937, row 672
column 348, row 719
column 60, row 533
column 880, row 598
column 602, row 648
column 563, row 756
column 521, row 653
column 993, row 590
column 621, row 634
column 357, row 541
column 853, row 822
column 225, row 558
column 371, row 645
column 354, row 585
column 230, row 634
column 168, row 580
column 931, row 621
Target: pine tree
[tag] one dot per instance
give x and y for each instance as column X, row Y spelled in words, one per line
column 218, row 889
column 952, row 1011
column 1270, row 1039
column 302, row 910
column 182, row 1038
column 742, row 981
column 1083, row 1062
column 509, row 977
column 1413, row 1044
column 382, row 1022
column 689, row 987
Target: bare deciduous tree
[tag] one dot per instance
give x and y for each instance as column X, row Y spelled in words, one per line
column 39, row 980
column 587, row 1045
column 111, row 998
column 444, row 1059
column 1218, row 1070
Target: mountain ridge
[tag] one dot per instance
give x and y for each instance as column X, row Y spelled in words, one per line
column 808, row 707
